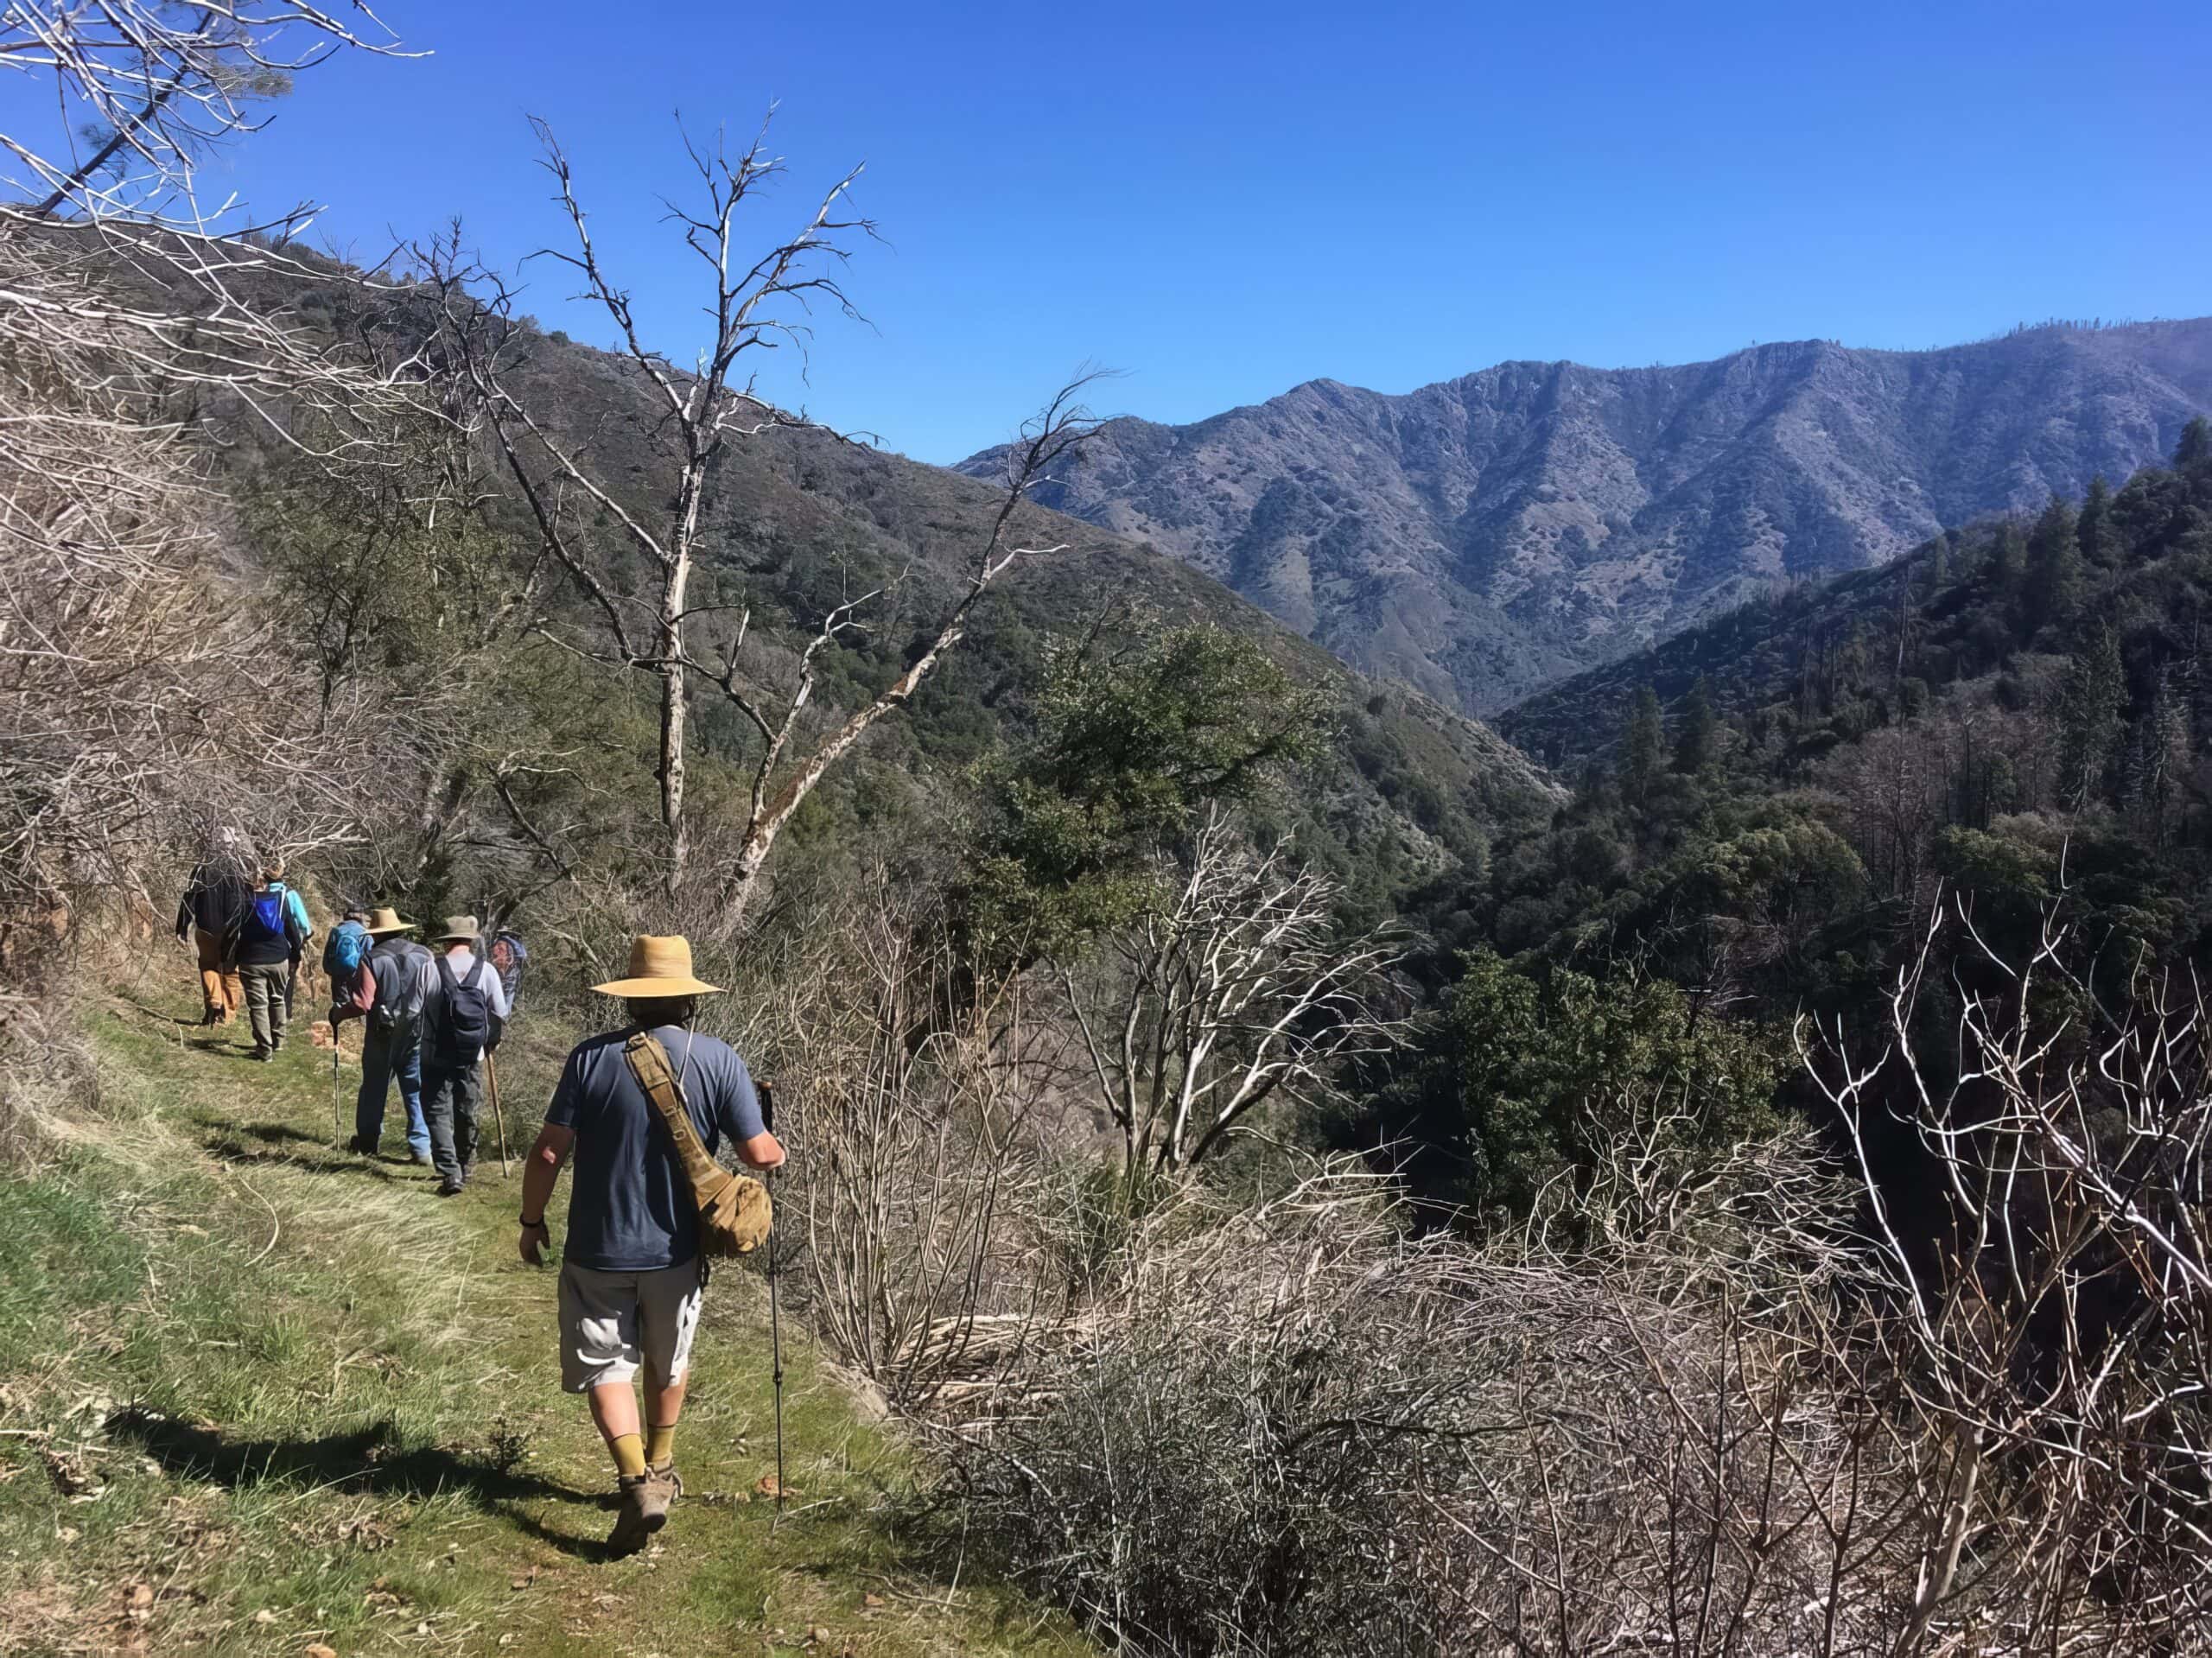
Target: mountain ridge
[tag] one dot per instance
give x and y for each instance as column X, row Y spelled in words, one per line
column 1484, row 535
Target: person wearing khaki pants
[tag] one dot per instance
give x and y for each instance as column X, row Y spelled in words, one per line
column 266, row 1007
column 220, row 994
column 205, row 918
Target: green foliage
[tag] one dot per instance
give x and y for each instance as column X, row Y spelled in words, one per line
column 2090, row 708
column 1641, row 746
column 1694, row 746
column 2055, row 570
column 1543, row 1069
column 1136, row 739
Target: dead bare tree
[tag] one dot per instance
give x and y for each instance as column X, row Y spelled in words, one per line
column 1235, row 991
column 653, row 627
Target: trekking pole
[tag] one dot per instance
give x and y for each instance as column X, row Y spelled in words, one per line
column 491, row 1075
column 775, row 1316
column 337, row 1117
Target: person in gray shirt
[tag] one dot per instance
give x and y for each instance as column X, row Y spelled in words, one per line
column 464, row 1015
column 630, row 1286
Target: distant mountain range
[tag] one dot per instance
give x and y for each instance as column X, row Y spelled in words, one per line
column 1485, row 537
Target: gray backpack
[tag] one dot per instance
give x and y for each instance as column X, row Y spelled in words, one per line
column 398, row 1005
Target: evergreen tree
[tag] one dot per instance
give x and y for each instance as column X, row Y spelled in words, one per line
column 1642, row 748
column 2195, row 446
column 2093, row 530
column 2008, row 567
column 2053, row 590
column 2157, row 760
column 2089, row 718
column 1694, row 746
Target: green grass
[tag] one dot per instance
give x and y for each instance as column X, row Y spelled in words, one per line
column 258, row 1395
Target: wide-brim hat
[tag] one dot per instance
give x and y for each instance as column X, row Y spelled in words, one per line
column 383, row 921
column 459, row 929
column 659, row 967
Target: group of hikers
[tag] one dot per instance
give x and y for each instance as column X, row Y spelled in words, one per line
column 635, row 1118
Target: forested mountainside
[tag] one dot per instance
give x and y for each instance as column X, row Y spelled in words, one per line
column 1485, row 536
column 2015, row 718
column 799, row 521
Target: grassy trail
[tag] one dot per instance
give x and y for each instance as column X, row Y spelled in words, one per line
column 259, row 1396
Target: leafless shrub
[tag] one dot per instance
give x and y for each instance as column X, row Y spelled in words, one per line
column 2046, row 1354
column 1234, row 993
column 133, row 701
column 917, row 1103
column 1299, row 1429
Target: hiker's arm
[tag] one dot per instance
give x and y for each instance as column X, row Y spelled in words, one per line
column 539, row 1172
column 745, row 1125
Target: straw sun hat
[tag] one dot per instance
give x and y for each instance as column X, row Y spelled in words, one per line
column 658, row 967
column 383, row 921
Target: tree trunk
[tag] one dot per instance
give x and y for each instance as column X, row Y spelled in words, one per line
column 672, row 710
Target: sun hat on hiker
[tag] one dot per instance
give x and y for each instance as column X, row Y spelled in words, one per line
column 659, row 968
column 383, row 921
column 459, row 930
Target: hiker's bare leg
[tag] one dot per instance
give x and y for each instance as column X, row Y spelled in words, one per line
column 664, row 1404
column 614, row 1409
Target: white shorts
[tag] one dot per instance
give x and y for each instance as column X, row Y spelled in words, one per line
column 611, row 1322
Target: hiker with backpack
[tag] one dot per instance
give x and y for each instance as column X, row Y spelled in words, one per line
column 266, row 940
column 392, row 1046
column 345, row 964
column 216, row 891
column 465, row 1014
column 637, row 1115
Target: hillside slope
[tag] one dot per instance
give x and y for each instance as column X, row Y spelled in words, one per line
column 1484, row 536
column 800, row 521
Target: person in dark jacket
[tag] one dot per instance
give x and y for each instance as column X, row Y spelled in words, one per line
column 204, row 917
column 265, row 944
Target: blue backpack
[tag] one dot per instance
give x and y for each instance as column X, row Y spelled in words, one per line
column 265, row 921
column 349, row 948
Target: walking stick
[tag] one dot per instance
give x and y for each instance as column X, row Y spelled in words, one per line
column 337, row 1118
column 775, row 1318
column 491, row 1075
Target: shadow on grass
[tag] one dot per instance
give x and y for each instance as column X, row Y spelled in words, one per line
column 294, row 1148
column 369, row 1461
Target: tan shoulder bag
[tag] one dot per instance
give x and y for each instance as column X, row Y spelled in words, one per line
column 734, row 1213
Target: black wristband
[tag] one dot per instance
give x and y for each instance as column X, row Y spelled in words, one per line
column 533, row 1225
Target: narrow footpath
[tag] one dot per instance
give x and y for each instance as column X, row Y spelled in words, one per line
column 260, row 1395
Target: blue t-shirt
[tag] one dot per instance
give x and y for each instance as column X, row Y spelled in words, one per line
column 630, row 1208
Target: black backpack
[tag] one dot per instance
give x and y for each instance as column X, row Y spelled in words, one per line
column 465, row 1014
column 399, row 987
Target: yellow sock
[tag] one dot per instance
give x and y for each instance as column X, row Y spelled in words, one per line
column 629, row 1455
column 660, row 1444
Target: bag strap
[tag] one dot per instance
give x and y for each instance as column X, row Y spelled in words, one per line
column 648, row 1063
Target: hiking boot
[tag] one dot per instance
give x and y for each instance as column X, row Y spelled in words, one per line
column 362, row 1144
column 644, row 1511
column 423, row 1157
column 449, row 1188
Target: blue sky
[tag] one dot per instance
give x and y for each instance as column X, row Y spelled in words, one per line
column 1222, row 201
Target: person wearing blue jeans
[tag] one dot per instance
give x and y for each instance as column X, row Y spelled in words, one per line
column 392, row 1049
column 387, row 1056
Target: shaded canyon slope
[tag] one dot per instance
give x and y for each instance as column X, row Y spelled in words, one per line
column 1485, row 537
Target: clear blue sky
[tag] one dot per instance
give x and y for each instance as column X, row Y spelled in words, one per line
column 1224, row 199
